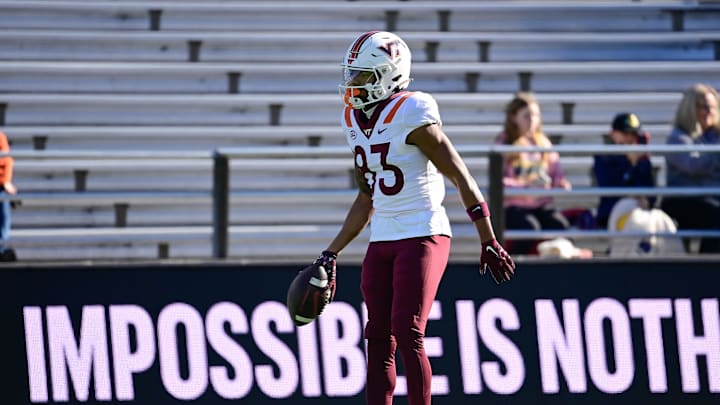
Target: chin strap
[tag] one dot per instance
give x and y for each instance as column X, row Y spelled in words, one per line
column 369, row 112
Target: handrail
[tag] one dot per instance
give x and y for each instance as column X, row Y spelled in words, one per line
column 245, row 197
column 468, row 150
column 106, row 154
column 497, row 190
column 344, row 151
column 221, row 195
column 614, row 191
column 110, row 196
column 592, row 234
column 583, row 149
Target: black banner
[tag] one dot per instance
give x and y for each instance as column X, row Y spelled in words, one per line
column 565, row 332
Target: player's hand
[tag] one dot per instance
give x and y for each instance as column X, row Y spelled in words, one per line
column 328, row 260
column 497, row 260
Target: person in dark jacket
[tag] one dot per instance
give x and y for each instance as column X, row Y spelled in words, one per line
column 625, row 170
column 697, row 122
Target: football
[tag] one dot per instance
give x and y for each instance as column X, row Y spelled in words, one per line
column 308, row 294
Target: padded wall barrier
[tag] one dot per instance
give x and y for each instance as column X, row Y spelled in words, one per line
column 214, row 333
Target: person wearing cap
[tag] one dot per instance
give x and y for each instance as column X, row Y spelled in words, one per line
column 623, row 170
column 697, row 122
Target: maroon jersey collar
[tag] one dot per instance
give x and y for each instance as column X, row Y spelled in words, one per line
column 367, row 125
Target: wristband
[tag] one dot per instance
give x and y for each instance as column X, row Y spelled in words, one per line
column 478, row 211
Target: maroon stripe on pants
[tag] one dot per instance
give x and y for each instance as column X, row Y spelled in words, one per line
column 399, row 282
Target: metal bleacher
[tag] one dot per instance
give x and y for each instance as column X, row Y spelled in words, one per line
column 114, row 108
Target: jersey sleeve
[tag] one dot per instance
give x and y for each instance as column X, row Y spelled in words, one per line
column 421, row 109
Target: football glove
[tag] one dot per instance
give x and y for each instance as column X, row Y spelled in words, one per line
column 328, row 261
column 497, row 260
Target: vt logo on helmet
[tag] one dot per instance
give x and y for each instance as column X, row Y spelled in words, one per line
column 376, row 65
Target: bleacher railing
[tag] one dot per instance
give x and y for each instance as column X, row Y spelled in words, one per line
column 495, row 193
column 496, row 190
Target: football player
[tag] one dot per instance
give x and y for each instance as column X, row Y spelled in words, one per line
column 401, row 155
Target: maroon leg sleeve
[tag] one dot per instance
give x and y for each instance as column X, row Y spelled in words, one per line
column 376, row 287
column 399, row 283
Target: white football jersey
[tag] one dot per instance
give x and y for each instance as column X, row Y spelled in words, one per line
column 407, row 189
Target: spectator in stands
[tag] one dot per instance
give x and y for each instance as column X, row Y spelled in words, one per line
column 626, row 170
column 523, row 127
column 696, row 123
column 401, row 157
column 7, row 254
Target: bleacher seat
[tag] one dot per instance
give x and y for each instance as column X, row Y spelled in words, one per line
column 322, row 77
column 307, row 109
column 427, row 46
column 208, row 137
column 566, row 16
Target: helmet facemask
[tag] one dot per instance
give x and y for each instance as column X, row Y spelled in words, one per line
column 363, row 87
column 372, row 73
